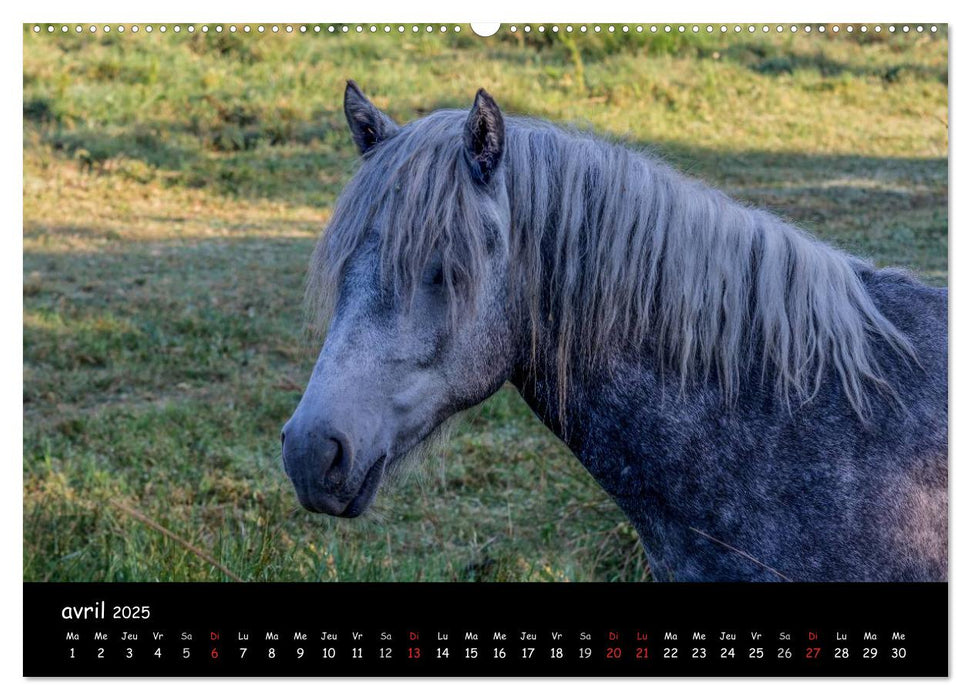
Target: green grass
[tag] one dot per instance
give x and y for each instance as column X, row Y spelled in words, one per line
column 173, row 189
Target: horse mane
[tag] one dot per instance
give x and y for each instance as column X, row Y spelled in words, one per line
column 612, row 249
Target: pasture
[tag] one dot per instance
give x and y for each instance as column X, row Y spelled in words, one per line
column 174, row 186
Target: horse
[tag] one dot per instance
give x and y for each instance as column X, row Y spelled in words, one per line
column 761, row 406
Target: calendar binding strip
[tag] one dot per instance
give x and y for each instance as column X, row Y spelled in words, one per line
column 382, row 28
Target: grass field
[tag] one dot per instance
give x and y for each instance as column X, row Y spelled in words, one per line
column 173, row 189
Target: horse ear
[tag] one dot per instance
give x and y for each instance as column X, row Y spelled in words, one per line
column 484, row 136
column 369, row 125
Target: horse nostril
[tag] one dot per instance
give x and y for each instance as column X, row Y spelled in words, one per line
column 315, row 456
column 332, row 454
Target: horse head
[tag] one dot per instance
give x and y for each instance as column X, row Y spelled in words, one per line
column 413, row 263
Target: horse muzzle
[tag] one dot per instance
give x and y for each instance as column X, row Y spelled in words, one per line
column 321, row 466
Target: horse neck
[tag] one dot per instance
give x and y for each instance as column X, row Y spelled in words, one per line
column 537, row 375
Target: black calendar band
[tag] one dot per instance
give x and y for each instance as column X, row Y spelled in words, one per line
column 393, row 629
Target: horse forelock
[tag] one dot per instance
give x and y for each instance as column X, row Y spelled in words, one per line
column 416, row 192
column 613, row 250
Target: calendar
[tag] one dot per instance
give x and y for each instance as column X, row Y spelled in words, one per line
column 436, row 349
column 364, row 630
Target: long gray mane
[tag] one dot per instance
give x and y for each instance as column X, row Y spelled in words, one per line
column 612, row 249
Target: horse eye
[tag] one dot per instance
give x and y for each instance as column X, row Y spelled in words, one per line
column 434, row 275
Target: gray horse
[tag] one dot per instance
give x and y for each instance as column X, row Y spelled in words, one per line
column 762, row 406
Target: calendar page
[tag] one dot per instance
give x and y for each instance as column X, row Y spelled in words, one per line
column 489, row 350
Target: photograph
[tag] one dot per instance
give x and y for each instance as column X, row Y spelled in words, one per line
column 567, row 303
